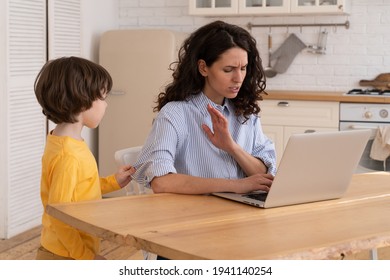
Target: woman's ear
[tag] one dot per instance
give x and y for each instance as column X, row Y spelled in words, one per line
column 202, row 67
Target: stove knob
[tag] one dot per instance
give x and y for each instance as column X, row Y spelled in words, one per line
column 383, row 113
column 368, row 115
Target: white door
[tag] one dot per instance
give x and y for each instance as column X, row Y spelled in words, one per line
column 23, row 126
column 23, row 29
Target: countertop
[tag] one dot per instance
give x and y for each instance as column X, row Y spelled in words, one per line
column 322, row 96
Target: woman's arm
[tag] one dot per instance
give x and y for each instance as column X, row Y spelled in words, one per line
column 248, row 163
column 222, row 139
column 186, row 184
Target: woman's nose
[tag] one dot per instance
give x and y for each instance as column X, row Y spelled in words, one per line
column 239, row 76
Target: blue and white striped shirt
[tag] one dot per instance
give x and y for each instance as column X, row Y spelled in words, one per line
column 178, row 144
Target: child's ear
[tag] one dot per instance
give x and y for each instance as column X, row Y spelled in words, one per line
column 202, row 67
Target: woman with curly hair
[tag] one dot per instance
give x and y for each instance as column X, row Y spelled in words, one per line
column 207, row 135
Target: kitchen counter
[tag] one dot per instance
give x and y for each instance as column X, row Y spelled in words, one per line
column 322, row 96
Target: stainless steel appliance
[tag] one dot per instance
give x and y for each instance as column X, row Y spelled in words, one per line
column 366, row 116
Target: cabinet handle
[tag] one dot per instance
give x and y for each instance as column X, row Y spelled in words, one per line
column 310, row 131
column 283, row 104
column 362, row 127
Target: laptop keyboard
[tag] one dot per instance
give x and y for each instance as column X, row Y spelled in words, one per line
column 258, row 196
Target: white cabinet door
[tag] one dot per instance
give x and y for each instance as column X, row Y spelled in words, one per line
column 22, row 124
column 275, row 133
column 280, row 135
column 64, row 29
column 269, row 7
column 213, row 7
column 289, row 130
column 282, row 118
column 300, row 113
column 320, row 6
column 24, row 25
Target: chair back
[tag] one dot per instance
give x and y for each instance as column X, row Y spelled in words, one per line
column 130, row 156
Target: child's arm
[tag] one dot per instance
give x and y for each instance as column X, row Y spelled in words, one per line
column 118, row 180
column 123, row 176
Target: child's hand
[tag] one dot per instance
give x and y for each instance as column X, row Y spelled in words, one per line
column 123, row 176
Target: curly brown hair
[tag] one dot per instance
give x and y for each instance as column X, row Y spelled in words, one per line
column 67, row 86
column 209, row 43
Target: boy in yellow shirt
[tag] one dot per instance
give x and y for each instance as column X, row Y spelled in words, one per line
column 72, row 92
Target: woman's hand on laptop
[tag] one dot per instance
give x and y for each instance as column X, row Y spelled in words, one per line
column 255, row 182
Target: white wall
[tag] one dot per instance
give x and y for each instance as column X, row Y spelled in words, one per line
column 360, row 52
column 98, row 16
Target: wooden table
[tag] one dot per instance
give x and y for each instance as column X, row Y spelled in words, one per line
column 207, row 227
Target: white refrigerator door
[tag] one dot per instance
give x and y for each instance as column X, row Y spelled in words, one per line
column 138, row 61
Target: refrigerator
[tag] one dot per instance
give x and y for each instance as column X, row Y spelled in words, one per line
column 138, row 61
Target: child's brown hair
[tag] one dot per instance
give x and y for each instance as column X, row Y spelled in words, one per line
column 67, row 86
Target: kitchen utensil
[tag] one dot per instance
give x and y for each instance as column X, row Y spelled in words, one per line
column 285, row 54
column 381, row 82
column 269, row 72
column 320, row 48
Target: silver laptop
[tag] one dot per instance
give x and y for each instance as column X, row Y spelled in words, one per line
column 314, row 167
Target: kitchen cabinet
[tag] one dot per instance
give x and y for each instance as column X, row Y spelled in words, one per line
column 258, row 7
column 267, row 7
column 237, row 7
column 319, row 6
column 280, row 119
column 213, row 7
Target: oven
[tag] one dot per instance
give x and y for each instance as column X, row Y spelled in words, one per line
column 366, row 116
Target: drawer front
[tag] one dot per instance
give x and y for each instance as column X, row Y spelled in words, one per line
column 299, row 113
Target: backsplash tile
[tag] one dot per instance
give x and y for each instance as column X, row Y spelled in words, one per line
column 360, row 52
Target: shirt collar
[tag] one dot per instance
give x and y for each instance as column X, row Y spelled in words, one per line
column 201, row 100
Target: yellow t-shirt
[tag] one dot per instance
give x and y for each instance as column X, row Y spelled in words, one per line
column 70, row 174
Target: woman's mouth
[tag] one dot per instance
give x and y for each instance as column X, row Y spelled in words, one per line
column 235, row 89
